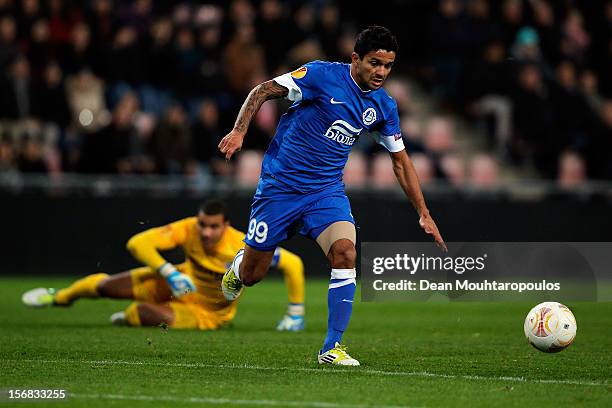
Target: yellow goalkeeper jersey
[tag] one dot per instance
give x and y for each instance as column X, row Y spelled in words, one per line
column 205, row 268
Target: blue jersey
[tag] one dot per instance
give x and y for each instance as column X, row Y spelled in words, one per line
column 330, row 112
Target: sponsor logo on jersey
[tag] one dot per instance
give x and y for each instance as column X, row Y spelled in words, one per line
column 299, row 73
column 369, row 116
column 342, row 132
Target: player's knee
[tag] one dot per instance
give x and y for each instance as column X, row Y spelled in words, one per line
column 343, row 254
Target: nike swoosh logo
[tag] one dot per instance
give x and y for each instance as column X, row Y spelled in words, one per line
column 335, row 102
column 346, row 300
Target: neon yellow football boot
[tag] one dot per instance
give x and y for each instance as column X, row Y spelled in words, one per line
column 231, row 285
column 337, row 356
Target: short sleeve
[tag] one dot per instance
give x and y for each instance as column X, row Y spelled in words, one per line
column 389, row 134
column 304, row 83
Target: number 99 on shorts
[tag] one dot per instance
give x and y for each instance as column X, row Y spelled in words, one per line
column 258, row 231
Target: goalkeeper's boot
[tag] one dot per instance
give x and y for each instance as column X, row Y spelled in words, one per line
column 231, row 285
column 291, row 323
column 39, row 297
column 337, row 356
column 119, row 319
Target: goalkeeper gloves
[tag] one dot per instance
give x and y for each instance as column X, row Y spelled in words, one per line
column 180, row 283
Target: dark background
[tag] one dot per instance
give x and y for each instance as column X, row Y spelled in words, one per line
column 78, row 235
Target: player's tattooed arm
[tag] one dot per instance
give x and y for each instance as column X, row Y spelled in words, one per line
column 232, row 142
column 258, row 95
column 406, row 175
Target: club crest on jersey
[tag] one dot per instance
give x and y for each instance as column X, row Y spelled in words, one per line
column 299, row 73
column 369, row 116
column 342, row 132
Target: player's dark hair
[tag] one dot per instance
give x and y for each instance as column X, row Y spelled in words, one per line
column 214, row 207
column 375, row 38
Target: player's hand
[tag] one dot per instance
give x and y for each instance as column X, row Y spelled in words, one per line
column 180, row 283
column 231, row 143
column 430, row 227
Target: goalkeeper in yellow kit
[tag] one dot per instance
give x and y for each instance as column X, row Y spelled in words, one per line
column 185, row 296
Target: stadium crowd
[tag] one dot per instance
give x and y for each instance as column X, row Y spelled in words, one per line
column 143, row 87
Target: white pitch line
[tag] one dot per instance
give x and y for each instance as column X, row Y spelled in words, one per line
column 229, row 401
column 356, row 371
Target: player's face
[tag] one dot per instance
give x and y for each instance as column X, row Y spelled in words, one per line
column 211, row 228
column 374, row 68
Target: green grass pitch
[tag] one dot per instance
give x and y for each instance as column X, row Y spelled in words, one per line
column 412, row 355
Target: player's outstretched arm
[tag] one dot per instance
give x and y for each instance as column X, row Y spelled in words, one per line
column 145, row 248
column 407, row 177
column 265, row 91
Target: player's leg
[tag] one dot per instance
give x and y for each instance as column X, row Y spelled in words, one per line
column 272, row 214
column 184, row 314
column 341, row 293
column 331, row 224
column 86, row 287
column 146, row 314
column 292, row 268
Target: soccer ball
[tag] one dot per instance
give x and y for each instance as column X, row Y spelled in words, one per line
column 550, row 327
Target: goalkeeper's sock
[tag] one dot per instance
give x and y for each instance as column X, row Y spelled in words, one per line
column 340, row 305
column 86, row 287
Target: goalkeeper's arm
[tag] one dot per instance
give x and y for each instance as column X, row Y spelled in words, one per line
column 145, row 247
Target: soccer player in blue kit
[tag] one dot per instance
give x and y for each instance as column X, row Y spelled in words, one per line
column 301, row 188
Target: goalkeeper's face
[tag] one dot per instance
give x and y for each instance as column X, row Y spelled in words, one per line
column 211, row 228
column 373, row 69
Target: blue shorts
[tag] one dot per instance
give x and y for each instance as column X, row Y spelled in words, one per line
column 278, row 213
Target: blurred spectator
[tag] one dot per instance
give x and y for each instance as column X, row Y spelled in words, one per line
column 600, row 164
column 424, row 167
column 112, row 148
column 453, row 168
column 51, row 104
column 8, row 41
column 17, row 92
column 125, row 59
column 356, row 170
column 62, row 18
column 382, row 175
column 526, row 47
column 85, row 94
column 448, row 41
column 400, row 92
column 248, row 168
column 575, row 38
column 439, row 136
column 31, row 159
column 27, row 14
column 533, row 119
column 160, row 58
column 329, row 30
column 170, row 143
column 79, row 54
column 243, row 58
column 572, row 170
column 39, row 50
column 271, row 29
column 186, row 61
column 548, row 32
column 7, row 155
column 483, row 171
column 206, row 135
column 211, row 69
